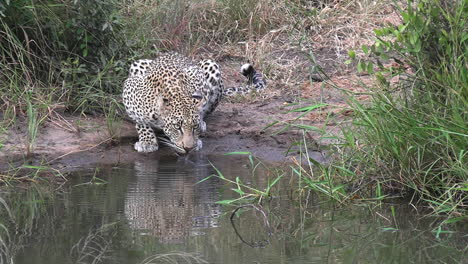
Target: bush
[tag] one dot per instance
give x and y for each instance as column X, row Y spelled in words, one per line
column 75, row 45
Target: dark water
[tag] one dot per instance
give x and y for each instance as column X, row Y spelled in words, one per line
column 153, row 211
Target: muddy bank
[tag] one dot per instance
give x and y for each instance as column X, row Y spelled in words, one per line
column 83, row 141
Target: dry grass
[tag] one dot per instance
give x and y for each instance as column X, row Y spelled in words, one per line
column 349, row 24
column 284, row 39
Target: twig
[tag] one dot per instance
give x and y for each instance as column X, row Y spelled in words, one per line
column 261, row 243
column 78, row 151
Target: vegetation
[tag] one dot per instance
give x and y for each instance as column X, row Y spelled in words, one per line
column 409, row 139
column 412, row 136
column 74, row 54
column 60, row 54
column 247, row 193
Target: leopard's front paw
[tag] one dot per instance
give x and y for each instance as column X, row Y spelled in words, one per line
column 145, row 147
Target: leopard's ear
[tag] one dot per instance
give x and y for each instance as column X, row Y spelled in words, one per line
column 198, row 95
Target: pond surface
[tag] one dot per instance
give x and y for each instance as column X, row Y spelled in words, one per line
column 157, row 211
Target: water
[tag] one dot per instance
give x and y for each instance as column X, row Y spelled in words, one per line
column 153, row 211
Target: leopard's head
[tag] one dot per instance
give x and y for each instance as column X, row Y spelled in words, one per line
column 182, row 121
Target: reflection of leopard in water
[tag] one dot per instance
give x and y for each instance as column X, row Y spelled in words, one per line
column 173, row 94
column 162, row 200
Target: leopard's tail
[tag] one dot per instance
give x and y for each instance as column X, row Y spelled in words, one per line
column 255, row 82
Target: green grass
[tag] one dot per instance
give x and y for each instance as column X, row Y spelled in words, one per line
column 413, row 137
column 248, row 194
column 410, row 139
column 29, row 173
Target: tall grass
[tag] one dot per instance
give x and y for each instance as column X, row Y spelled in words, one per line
column 412, row 137
column 204, row 25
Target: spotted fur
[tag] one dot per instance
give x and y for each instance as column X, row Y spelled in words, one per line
column 173, row 94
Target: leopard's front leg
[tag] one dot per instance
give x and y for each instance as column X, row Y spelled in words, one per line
column 147, row 139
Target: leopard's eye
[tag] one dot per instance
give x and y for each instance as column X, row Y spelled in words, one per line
column 178, row 125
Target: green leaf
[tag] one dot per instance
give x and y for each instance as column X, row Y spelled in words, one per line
column 273, row 183
column 378, row 32
column 464, row 38
column 202, row 180
column 352, row 54
column 370, row 67
column 346, row 170
column 336, row 188
column 384, row 56
column 251, row 160
column 378, row 190
column 413, row 38
column 307, row 127
column 405, row 17
column 402, row 28
column 417, row 47
column 239, row 191
column 270, row 125
column 365, row 49
column 226, row 201
column 389, row 229
column 361, row 66
column 220, row 174
column 455, row 219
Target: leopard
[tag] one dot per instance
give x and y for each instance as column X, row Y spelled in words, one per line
column 171, row 94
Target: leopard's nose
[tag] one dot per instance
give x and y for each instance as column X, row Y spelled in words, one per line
column 188, row 149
